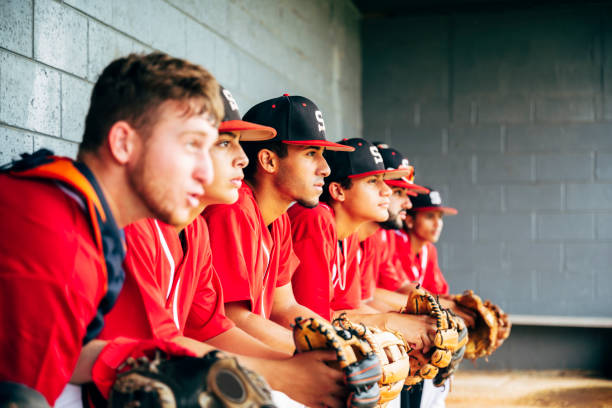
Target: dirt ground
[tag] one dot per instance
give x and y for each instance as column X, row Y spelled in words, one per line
column 529, row 389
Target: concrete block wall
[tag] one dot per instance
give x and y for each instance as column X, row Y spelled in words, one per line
column 509, row 114
column 51, row 53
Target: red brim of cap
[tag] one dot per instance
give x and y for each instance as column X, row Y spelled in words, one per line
column 445, row 210
column 387, row 174
column 408, row 185
column 249, row 132
column 324, row 143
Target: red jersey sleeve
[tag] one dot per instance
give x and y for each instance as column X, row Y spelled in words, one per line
column 141, row 263
column 231, row 232
column 389, row 276
column 289, row 261
column 433, row 280
column 314, row 244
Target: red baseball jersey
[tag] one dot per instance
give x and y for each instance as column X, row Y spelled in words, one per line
column 378, row 268
column 423, row 267
column 328, row 277
column 250, row 258
column 169, row 290
column 51, row 281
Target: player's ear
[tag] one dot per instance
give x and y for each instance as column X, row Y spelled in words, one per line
column 336, row 191
column 268, row 160
column 122, row 141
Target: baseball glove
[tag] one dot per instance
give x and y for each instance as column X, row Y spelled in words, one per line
column 391, row 350
column 457, row 356
column 483, row 337
column 213, row 381
column 355, row 358
column 446, row 340
column 503, row 322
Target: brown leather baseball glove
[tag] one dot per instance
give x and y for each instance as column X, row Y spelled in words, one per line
column 446, row 340
column 391, row 350
column 356, row 358
column 483, row 337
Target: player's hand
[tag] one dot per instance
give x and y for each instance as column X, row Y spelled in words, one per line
column 307, row 379
column 418, row 330
column 468, row 316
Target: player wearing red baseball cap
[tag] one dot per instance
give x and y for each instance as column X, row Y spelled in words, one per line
column 150, row 124
column 251, row 239
column 328, row 278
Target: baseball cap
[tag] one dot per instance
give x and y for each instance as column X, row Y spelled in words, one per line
column 297, row 120
column 364, row 161
column 232, row 123
column 394, row 159
column 431, row 201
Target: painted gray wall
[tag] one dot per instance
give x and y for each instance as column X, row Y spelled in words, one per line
column 509, row 114
column 51, row 53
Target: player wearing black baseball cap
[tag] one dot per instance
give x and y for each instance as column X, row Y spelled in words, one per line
column 252, row 237
column 325, row 240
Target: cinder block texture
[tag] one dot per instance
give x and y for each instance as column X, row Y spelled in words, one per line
column 58, row 146
column 76, row 94
column 16, row 26
column 526, row 146
column 257, row 49
column 565, row 226
column 603, row 170
column 13, row 142
column 589, row 196
column 504, row 168
column 603, row 225
column 504, row 227
column 565, row 167
column 60, row 37
column 29, row 95
column 533, row 197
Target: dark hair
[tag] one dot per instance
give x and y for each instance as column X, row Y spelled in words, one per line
column 251, row 149
column 132, row 88
column 345, row 183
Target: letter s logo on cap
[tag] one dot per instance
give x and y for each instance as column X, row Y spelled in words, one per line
column 435, row 198
column 376, row 154
column 319, row 117
column 230, row 99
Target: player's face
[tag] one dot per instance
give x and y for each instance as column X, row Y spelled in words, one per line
column 228, row 160
column 399, row 202
column 173, row 164
column 368, row 199
column 428, row 225
column 301, row 174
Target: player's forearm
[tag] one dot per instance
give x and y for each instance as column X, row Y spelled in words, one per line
column 87, row 358
column 395, row 300
column 237, row 341
column 286, row 316
column 264, row 330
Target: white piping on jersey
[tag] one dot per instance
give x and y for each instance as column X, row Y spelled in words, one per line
column 166, row 250
column 421, row 275
column 263, row 284
column 338, row 273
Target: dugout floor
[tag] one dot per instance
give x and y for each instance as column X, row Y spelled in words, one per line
column 529, row 389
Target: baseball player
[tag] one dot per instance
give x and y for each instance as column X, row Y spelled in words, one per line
column 172, row 290
column 328, row 277
column 251, row 239
column 380, row 275
column 151, row 122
